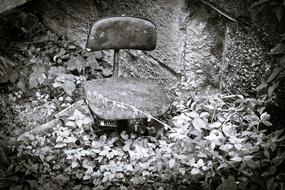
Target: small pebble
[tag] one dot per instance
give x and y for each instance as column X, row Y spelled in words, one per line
column 33, row 60
column 38, row 94
column 49, row 113
column 199, row 71
column 107, row 72
column 68, row 99
column 59, row 61
column 71, row 47
column 53, row 106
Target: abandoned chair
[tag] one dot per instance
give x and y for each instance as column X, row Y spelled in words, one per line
column 118, row 98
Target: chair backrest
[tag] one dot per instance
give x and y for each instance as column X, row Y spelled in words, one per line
column 122, row 32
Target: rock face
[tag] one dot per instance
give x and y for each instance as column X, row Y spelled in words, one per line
column 73, row 18
column 122, row 98
column 191, row 45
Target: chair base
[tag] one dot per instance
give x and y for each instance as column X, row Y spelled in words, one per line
column 121, row 98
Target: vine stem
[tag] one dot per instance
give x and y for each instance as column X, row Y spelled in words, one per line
column 3, row 173
column 219, row 11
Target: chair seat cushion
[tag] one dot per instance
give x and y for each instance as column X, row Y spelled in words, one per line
column 122, row 98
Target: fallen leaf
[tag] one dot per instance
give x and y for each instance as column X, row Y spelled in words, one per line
column 76, row 63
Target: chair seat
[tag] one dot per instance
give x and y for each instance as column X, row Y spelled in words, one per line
column 118, row 98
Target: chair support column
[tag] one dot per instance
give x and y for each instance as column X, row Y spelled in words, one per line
column 116, row 63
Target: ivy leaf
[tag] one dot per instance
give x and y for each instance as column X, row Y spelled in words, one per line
column 229, row 130
column 272, row 88
column 195, row 171
column 80, row 119
column 76, row 63
column 229, row 183
column 253, row 119
column 261, row 109
column 181, row 120
column 279, row 13
column 257, row 3
column 200, row 163
column 198, row 124
column 204, row 114
column 235, row 140
column 267, row 123
column 74, row 164
column 216, row 138
column 261, row 86
column 124, row 135
column 238, row 146
column 214, row 125
column 276, row 134
column 60, row 145
column 65, row 81
column 266, row 154
column 38, row 77
column 182, row 171
column 278, row 49
column 192, row 114
column 274, row 74
column 93, row 63
column 226, row 147
column 55, row 71
column 70, row 140
column 171, row 163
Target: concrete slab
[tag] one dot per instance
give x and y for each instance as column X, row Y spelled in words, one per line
column 7, row 5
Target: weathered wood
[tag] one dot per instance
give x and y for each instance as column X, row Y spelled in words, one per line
column 121, row 98
column 7, row 5
column 134, row 33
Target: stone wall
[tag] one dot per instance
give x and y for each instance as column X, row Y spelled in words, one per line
column 192, row 44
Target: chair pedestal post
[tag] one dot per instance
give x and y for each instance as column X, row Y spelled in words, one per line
column 124, row 123
column 116, row 63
